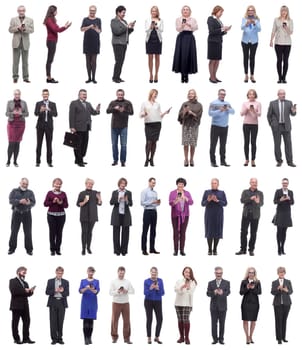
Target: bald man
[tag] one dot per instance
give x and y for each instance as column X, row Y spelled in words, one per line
column 278, row 116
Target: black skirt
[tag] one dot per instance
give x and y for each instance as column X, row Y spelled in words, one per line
column 185, row 57
column 214, row 50
column 152, row 131
column 153, row 45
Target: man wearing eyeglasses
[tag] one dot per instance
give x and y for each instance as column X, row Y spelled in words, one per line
column 218, row 290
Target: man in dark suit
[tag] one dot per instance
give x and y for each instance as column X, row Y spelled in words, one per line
column 20, row 292
column 281, row 289
column 284, row 199
column 120, row 38
column 80, row 112
column 58, row 290
column 218, row 290
column 45, row 110
column 121, row 199
column 278, row 116
column 252, row 200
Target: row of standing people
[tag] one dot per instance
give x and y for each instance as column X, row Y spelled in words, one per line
column 185, row 54
column 214, row 200
column 218, row 290
column 190, row 113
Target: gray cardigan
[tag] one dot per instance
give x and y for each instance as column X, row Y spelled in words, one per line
column 10, row 110
column 120, row 32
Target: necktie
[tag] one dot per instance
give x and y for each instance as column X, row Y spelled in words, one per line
column 282, row 112
column 46, row 111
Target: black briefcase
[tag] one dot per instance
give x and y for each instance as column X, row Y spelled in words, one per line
column 72, row 140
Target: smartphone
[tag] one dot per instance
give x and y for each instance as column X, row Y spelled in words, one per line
column 179, row 194
column 121, row 288
column 284, row 24
column 184, row 21
column 252, row 106
column 87, row 197
column 295, row 105
column 23, row 25
column 153, row 23
column 155, row 283
column 225, row 106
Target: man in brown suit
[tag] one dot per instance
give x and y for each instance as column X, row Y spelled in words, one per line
column 21, row 27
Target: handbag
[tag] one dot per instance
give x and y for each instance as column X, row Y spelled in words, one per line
column 72, row 140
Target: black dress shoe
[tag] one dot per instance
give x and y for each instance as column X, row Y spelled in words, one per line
column 7, row 164
column 157, row 341
column 123, row 164
column 279, row 81
column 28, row 341
column 37, row 165
column 154, row 252
column 279, row 342
column 210, row 252
column 29, row 252
column 182, row 253
column 18, row 341
column 285, row 341
column 60, row 341
column 279, row 164
column 175, row 253
column 51, row 81
column 83, row 252
column 251, row 253
column 10, row 252
column 241, row 252
column 221, row 342
column 88, row 81
column 151, row 162
column 128, row 342
column 292, row 165
column 212, row 81
column 146, row 162
column 50, row 165
column 145, row 253
column 94, row 81
column 218, row 81
column 284, row 81
column 52, row 253
column 214, row 342
column 82, row 165
column 224, row 164
column 89, row 251
column 16, row 164
column 121, row 80
column 155, row 81
column 214, row 165
column 150, row 81
column 114, row 164
column 26, row 80
column 53, row 342
column 58, row 253
column 116, row 81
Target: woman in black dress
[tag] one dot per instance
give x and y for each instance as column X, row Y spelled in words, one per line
column 185, row 58
column 214, row 200
column 250, row 289
column 216, row 32
column 92, row 27
column 154, row 27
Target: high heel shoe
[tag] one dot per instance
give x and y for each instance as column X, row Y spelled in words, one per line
column 149, row 341
column 158, row 341
column 252, row 79
column 253, row 163
column 151, row 81
column 246, row 79
column 246, row 163
column 191, row 163
column 186, row 163
column 151, row 162
column 146, row 162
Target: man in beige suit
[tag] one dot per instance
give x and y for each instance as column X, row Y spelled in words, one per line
column 21, row 27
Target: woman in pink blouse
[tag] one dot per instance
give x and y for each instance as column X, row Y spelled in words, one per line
column 52, row 38
column 185, row 58
column 250, row 110
column 179, row 201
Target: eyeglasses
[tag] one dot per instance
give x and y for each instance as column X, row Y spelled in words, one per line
column 252, row 272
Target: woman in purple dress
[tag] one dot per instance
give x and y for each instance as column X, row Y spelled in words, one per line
column 56, row 201
column 179, row 201
column 16, row 111
column 89, row 288
column 214, row 200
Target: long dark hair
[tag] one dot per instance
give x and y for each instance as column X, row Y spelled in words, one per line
column 50, row 14
column 192, row 278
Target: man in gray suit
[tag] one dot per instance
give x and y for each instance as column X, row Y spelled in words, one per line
column 21, row 27
column 278, row 116
column 80, row 112
column 218, row 290
column 120, row 38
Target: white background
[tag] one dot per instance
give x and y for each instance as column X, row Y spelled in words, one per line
column 69, row 69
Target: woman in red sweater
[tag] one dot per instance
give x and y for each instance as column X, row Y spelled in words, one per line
column 52, row 38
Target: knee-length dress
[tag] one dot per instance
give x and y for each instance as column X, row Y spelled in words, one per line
column 250, row 300
column 89, row 303
column 91, row 43
column 15, row 129
column 213, row 216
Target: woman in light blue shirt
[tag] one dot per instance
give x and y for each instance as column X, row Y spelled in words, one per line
column 250, row 26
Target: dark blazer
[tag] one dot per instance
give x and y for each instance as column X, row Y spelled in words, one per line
column 41, row 115
column 115, row 218
column 277, row 293
column 50, row 291
column 273, row 114
column 89, row 211
column 215, row 33
column 283, row 211
column 250, row 205
column 250, row 296
column 79, row 116
column 19, row 297
column 218, row 302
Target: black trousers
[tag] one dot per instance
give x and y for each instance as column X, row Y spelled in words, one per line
column 17, row 219
column 249, row 53
column 247, row 221
column 56, row 318
column 282, row 53
column 87, row 227
column 80, row 152
column 52, row 46
column 218, row 317
column 119, row 56
column 278, row 133
column 120, row 237
column 149, row 220
column 48, row 135
column 250, row 132
column 156, row 306
column 56, row 224
column 221, row 133
column 281, row 314
column 24, row 315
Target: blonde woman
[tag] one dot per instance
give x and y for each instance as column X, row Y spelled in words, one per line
column 250, row 26
column 250, row 289
column 281, row 38
column 189, row 116
column 250, row 111
column 154, row 27
column 152, row 114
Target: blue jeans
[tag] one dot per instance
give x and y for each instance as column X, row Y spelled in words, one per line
column 122, row 133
